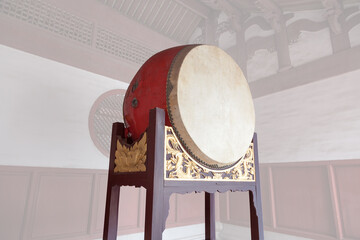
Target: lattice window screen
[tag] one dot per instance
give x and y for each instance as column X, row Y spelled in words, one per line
column 106, row 110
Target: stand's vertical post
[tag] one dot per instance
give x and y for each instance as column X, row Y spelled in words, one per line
column 256, row 219
column 154, row 220
column 111, row 213
column 210, row 216
column 113, row 190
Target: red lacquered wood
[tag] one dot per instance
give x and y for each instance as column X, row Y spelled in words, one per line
column 150, row 91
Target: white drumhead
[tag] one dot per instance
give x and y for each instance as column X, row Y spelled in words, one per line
column 210, row 106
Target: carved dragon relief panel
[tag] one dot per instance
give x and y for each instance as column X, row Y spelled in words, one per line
column 180, row 166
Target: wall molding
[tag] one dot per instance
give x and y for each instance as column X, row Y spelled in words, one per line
column 338, row 179
column 319, row 198
column 67, row 203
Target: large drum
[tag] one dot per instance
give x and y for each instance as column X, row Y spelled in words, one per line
column 207, row 101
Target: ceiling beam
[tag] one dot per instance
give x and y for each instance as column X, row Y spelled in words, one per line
column 326, row 67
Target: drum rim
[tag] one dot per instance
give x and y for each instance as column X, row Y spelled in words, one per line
column 178, row 125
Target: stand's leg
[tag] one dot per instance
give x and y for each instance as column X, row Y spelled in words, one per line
column 256, row 219
column 209, row 216
column 111, row 212
column 113, row 191
column 154, row 213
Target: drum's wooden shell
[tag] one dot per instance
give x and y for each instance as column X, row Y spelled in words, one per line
column 148, row 87
column 171, row 77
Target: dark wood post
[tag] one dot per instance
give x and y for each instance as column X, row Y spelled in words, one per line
column 256, row 219
column 113, row 189
column 210, row 230
column 154, row 223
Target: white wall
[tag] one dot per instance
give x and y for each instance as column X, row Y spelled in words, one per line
column 317, row 121
column 44, row 107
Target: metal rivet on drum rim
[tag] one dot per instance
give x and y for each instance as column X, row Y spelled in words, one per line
column 134, row 103
column 136, row 84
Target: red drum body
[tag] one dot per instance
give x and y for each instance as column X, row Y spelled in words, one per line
column 146, row 91
column 206, row 98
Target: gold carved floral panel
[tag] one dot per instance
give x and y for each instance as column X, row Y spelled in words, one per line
column 180, row 166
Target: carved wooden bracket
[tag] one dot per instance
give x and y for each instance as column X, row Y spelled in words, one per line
column 131, row 158
column 333, row 11
column 272, row 13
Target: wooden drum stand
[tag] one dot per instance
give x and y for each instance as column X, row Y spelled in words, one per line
column 158, row 163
